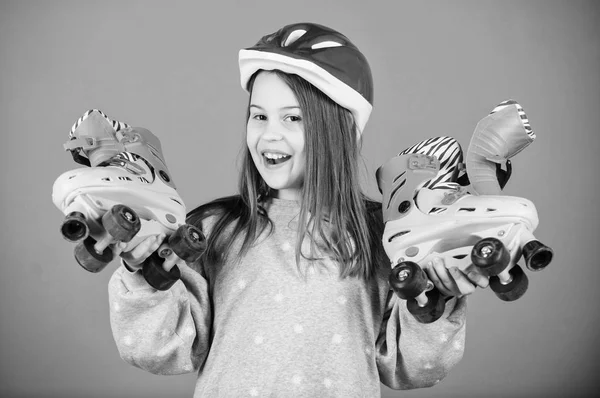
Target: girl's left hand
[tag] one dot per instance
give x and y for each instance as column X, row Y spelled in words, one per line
column 452, row 281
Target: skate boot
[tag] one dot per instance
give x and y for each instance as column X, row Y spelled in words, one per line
column 125, row 195
column 497, row 138
column 427, row 214
column 450, row 157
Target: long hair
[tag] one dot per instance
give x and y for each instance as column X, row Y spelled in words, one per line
column 335, row 215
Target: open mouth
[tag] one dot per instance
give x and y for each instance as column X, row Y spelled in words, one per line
column 273, row 158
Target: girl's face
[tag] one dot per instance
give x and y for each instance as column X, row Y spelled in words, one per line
column 275, row 135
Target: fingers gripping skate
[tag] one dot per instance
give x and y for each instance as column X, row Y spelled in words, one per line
column 126, row 195
column 160, row 269
column 488, row 233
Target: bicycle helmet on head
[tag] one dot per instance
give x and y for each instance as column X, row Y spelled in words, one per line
column 320, row 55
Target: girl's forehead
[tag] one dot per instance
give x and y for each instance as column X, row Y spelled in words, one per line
column 270, row 90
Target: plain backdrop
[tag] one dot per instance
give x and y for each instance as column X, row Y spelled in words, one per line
column 171, row 66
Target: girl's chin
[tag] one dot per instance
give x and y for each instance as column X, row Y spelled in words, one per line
column 278, row 186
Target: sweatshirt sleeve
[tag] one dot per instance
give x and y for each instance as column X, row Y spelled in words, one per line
column 162, row 332
column 415, row 355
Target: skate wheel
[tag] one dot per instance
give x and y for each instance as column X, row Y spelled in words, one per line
column 188, row 243
column 121, row 222
column 155, row 274
column 490, row 256
column 408, row 280
column 513, row 290
column 89, row 259
column 74, row 228
column 432, row 311
column 537, row 255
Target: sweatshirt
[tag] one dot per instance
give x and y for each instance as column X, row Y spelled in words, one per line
column 258, row 328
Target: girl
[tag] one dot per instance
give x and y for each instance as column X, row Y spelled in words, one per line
column 291, row 297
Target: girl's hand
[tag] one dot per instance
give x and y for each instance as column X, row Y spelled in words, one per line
column 135, row 256
column 453, row 281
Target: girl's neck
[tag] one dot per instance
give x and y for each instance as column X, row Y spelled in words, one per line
column 292, row 201
column 287, row 194
column 284, row 200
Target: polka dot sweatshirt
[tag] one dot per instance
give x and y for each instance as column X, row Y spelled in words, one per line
column 256, row 328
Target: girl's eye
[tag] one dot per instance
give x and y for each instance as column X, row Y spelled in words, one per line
column 293, row 118
column 259, row 116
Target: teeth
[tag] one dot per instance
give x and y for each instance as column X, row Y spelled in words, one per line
column 275, row 155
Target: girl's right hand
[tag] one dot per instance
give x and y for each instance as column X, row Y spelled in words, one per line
column 134, row 257
column 453, row 281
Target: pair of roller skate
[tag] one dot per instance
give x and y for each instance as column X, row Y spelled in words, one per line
column 126, row 194
column 432, row 208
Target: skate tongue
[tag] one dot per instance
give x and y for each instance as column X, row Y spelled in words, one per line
column 97, row 118
column 498, row 137
column 522, row 116
column 90, row 132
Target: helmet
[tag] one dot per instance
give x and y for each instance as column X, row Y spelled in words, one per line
column 320, row 55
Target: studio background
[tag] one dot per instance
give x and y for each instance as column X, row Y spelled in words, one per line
column 171, row 66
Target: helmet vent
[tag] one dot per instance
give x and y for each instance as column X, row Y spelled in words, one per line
column 326, row 44
column 295, row 35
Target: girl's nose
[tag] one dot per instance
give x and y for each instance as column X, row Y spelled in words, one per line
column 273, row 131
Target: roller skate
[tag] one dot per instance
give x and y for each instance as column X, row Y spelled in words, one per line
column 126, row 194
column 428, row 213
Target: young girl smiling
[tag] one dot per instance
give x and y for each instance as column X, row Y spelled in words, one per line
column 291, row 297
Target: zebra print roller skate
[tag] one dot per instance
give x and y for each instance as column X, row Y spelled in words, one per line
column 428, row 214
column 126, row 194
